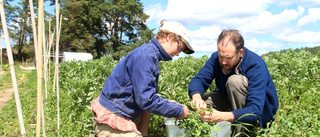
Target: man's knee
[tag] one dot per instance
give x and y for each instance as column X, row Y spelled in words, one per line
column 237, row 81
column 237, row 89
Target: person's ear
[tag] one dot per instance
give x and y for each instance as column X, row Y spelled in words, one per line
column 169, row 37
column 241, row 51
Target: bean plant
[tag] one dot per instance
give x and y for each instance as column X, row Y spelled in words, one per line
column 296, row 76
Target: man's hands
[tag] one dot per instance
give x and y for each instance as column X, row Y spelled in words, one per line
column 216, row 116
column 211, row 117
column 198, row 102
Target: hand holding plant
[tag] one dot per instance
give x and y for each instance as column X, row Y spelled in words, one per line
column 215, row 116
column 198, row 103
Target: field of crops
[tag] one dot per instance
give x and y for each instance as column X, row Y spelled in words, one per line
column 295, row 74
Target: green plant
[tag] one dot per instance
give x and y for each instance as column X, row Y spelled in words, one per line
column 295, row 74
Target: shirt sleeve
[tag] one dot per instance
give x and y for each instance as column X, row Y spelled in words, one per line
column 201, row 82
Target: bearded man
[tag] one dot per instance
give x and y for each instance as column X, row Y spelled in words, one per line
column 246, row 92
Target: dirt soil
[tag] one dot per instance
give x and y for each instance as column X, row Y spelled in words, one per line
column 5, row 95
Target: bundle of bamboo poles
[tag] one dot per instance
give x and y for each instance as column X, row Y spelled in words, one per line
column 39, row 43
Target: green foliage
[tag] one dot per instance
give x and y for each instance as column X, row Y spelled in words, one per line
column 81, row 82
column 297, row 77
column 173, row 84
column 6, row 80
column 295, row 74
column 313, row 50
column 194, row 126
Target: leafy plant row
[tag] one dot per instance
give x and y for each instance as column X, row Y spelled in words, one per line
column 295, row 74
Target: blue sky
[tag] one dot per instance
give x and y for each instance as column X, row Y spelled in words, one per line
column 266, row 25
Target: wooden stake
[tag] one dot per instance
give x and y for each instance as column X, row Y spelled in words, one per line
column 57, row 63
column 39, row 66
column 43, row 120
column 35, row 41
column 1, row 54
column 13, row 75
column 45, row 48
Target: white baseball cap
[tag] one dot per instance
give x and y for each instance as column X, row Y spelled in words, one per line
column 179, row 29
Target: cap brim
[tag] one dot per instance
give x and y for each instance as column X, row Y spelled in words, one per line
column 190, row 49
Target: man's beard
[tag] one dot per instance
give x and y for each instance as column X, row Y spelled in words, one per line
column 229, row 70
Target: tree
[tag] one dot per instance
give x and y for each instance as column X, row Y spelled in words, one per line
column 20, row 29
column 144, row 36
column 80, row 23
column 123, row 20
column 9, row 12
column 102, row 27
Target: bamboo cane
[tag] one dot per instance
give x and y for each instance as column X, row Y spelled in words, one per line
column 57, row 64
column 43, row 120
column 35, row 42
column 44, row 45
column 1, row 54
column 47, row 57
column 45, row 48
column 49, row 53
column 13, row 75
column 39, row 66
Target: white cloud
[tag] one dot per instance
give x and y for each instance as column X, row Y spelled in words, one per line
column 299, row 37
column 266, row 25
column 312, row 17
column 262, row 47
column 204, row 12
column 266, row 22
column 153, row 11
column 205, row 38
column 206, row 32
column 313, row 2
column 299, row 2
column 204, row 45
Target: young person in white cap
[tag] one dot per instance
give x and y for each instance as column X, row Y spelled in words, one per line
column 129, row 96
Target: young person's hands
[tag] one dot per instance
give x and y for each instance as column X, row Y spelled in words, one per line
column 185, row 113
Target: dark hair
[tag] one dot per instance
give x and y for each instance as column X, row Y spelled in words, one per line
column 233, row 36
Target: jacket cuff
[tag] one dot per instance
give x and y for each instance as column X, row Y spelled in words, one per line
column 236, row 115
column 193, row 92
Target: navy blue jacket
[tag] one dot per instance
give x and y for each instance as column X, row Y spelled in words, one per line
column 262, row 98
column 132, row 86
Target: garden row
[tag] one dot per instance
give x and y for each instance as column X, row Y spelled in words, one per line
column 295, row 74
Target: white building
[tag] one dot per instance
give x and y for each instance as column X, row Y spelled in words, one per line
column 70, row 56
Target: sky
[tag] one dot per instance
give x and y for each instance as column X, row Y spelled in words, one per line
column 266, row 25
